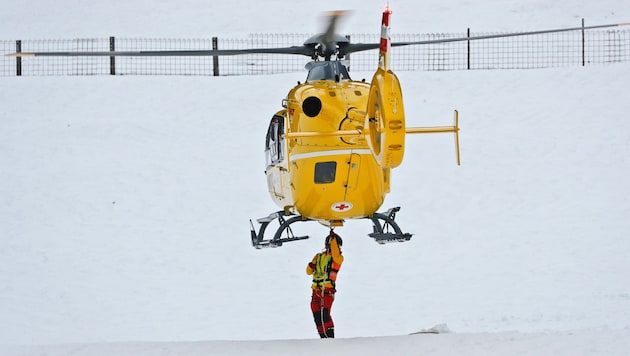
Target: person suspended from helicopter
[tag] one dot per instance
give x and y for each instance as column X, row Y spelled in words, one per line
column 324, row 268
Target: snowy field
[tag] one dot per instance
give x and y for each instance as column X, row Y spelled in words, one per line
column 125, row 201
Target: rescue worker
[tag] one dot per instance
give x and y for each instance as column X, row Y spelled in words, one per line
column 324, row 268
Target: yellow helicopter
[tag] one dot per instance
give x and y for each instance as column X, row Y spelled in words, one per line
column 330, row 149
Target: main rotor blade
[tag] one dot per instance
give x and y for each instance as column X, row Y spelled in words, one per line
column 358, row 47
column 176, row 53
column 502, row 35
column 307, row 50
column 333, row 17
column 327, row 41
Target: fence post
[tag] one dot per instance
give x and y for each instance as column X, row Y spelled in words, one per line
column 112, row 59
column 468, row 50
column 18, row 60
column 215, row 59
column 583, row 45
column 348, row 55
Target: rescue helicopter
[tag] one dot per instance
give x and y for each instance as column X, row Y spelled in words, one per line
column 330, row 149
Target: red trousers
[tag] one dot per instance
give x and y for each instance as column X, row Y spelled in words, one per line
column 321, row 303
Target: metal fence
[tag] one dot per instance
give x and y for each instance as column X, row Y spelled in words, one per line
column 574, row 48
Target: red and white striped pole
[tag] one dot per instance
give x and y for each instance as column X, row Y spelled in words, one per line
column 386, row 43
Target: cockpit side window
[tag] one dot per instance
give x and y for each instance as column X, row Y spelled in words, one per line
column 274, row 144
column 343, row 71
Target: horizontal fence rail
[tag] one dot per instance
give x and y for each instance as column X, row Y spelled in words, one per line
column 574, row 48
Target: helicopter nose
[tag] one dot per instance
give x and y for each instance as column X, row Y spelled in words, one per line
column 312, row 106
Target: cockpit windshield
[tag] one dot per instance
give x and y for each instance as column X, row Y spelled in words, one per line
column 327, row 70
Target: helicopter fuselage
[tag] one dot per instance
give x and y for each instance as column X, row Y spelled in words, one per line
column 327, row 178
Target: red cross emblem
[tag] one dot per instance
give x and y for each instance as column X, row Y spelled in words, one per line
column 341, row 207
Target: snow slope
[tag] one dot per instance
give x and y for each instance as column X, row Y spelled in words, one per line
column 125, row 203
column 599, row 342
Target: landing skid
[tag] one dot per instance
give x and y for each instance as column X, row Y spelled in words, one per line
column 388, row 231
column 258, row 240
column 385, row 229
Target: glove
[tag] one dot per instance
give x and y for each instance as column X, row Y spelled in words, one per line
column 312, row 266
column 338, row 240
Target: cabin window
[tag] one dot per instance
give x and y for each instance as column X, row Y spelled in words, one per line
column 325, row 172
column 274, row 144
column 328, row 70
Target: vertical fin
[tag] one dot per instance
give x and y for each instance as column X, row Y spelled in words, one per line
column 386, row 43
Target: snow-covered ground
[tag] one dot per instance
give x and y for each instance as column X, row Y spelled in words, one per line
column 125, row 201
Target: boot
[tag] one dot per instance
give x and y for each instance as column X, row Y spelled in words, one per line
column 330, row 333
